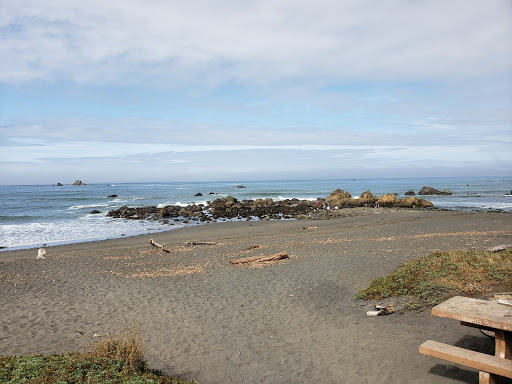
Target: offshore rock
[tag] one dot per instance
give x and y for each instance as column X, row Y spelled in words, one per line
column 410, row 192
column 426, row 190
column 79, row 182
column 266, row 209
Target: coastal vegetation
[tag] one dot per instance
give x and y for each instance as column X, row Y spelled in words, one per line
column 427, row 281
column 116, row 358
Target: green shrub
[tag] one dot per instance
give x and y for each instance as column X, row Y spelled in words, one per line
column 427, row 280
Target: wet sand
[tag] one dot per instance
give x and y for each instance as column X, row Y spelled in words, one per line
column 292, row 321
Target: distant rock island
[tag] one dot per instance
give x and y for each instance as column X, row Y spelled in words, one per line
column 426, row 190
column 79, row 182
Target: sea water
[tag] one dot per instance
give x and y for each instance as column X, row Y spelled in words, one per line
column 32, row 215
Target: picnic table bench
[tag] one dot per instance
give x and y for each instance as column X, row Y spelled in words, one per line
column 485, row 315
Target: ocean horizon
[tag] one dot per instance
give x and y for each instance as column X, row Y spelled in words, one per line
column 33, row 215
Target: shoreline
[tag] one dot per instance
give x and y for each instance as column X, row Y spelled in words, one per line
column 321, row 216
column 296, row 320
column 9, row 254
column 26, row 250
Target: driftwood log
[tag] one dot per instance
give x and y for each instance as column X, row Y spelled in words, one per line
column 155, row 244
column 258, row 259
column 200, row 243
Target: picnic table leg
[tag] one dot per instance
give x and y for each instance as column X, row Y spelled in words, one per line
column 503, row 342
column 487, row 378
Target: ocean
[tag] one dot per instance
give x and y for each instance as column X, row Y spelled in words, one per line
column 32, row 215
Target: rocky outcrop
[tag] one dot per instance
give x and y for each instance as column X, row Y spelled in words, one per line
column 341, row 199
column 410, row 192
column 59, row 185
column 265, row 209
column 239, row 186
column 368, row 199
column 78, row 182
column 426, row 190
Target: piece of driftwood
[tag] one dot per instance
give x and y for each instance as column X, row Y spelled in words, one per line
column 155, row 244
column 258, row 259
column 381, row 310
column 310, row 228
column 200, row 243
column 499, row 248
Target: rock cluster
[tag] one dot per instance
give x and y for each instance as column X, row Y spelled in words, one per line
column 342, row 199
column 78, row 182
column 265, row 209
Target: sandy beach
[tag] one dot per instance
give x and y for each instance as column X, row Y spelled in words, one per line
column 292, row 321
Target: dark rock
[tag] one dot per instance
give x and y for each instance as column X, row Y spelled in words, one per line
column 59, row 185
column 410, row 192
column 139, row 213
column 239, row 186
column 112, row 195
column 95, row 212
column 426, row 190
column 211, row 193
column 198, row 194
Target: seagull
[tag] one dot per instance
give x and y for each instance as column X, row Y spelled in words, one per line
column 41, row 252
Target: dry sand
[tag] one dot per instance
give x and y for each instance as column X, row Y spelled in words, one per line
column 293, row 321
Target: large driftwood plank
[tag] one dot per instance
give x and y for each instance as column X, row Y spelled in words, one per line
column 257, row 259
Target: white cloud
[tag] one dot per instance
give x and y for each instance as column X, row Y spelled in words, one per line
column 204, row 42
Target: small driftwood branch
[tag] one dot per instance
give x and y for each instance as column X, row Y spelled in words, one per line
column 310, row 228
column 250, row 247
column 200, row 243
column 257, row 259
column 155, row 244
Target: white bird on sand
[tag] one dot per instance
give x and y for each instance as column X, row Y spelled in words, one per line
column 41, row 252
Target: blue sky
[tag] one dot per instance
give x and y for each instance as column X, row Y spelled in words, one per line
column 129, row 91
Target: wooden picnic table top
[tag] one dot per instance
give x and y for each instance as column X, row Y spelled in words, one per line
column 476, row 312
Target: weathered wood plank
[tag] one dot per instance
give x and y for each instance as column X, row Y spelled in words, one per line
column 477, row 360
column 474, row 311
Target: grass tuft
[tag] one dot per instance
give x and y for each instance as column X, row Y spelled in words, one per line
column 427, row 281
column 117, row 358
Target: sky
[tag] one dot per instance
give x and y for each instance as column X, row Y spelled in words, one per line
column 227, row 90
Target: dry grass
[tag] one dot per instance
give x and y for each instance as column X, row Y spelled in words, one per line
column 127, row 345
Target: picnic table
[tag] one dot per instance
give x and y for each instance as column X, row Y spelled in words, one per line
column 485, row 315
